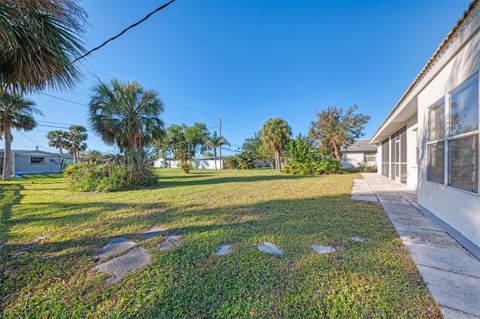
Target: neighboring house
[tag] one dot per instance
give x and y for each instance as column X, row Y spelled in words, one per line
column 360, row 153
column 198, row 163
column 430, row 140
column 34, row 161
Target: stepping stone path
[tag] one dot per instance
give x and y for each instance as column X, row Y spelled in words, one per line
column 170, row 241
column 270, row 248
column 319, row 249
column 133, row 257
column 121, row 266
column 115, row 247
column 358, row 239
column 224, row 250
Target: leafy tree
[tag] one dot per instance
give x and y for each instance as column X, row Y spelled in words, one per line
column 126, row 115
column 336, row 127
column 93, row 156
column 275, row 134
column 176, row 142
column 254, row 147
column 18, row 113
column 60, row 140
column 196, row 136
column 213, row 142
column 38, row 41
column 77, row 135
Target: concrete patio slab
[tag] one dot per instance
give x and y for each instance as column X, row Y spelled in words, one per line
column 451, row 273
column 362, row 191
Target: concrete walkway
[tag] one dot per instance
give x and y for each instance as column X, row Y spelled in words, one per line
column 452, row 274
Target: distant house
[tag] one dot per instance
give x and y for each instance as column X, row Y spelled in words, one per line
column 198, row 163
column 430, row 139
column 360, row 153
column 34, row 161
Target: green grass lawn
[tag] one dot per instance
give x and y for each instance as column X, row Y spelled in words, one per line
column 53, row 278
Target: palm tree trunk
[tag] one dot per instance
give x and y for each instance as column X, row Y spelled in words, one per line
column 61, row 158
column 277, row 160
column 7, row 154
column 215, row 157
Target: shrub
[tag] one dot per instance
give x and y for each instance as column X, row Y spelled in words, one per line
column 231, row 162
column 186, row 166
column 304, row 160
column 108, row 177
column 245, row 159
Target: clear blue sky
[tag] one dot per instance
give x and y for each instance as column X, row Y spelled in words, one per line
column 246, row 61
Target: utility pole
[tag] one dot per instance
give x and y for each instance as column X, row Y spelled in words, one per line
column 221, row 162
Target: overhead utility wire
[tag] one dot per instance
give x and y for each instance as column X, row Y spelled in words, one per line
column 163, row 6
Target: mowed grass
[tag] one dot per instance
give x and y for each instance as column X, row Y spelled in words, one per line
column 53, row 278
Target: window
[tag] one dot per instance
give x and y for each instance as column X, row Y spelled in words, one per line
column 37, row 160
column 463, row 137
column 386, row 158
column 370, row 157
column 436, row 142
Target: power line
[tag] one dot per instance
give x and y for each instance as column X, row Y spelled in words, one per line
column 36, row 143
column 163, row 6
column 63, row 99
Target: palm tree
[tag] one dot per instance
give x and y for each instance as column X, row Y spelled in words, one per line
column 59, row 139
column 38, row 41
column 275, row 134
column 15, row 112
column 215, row 141
column 77, row 135
column 126, row 115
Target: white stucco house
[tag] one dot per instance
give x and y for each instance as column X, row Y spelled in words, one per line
column 198, row 163
column 360, row 153
column 35, row 161
column 430, row 139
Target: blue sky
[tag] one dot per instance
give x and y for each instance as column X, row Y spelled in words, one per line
column 246, row 61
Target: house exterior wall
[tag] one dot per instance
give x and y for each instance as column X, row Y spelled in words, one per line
column 455, row 207
column 352, row 160
column 23, row 166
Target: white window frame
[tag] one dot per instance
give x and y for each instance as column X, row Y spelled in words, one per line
column 449, row 137
column 444, row 139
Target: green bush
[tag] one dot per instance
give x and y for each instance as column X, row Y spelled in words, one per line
column 245, row 159
column 108, row 177
column 231, row 162
column 186, row 166
column 305, row 160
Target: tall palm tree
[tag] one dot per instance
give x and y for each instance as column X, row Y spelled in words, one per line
column 213, row 142
column 15, row 112
column 126, row 115
column 59, row 139
column 77, row 135
column 275, row 134
column 38, row 41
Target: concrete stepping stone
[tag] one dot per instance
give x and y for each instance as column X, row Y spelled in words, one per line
column 170, row 242
column 114, row 247
column 224, row 250
column 153, row 232
column 319, row 249
column 269, row 248
column 358, row 239
column 119, row 267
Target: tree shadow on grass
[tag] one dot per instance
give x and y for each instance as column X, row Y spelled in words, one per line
column 293, row 224
column 179, row 181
